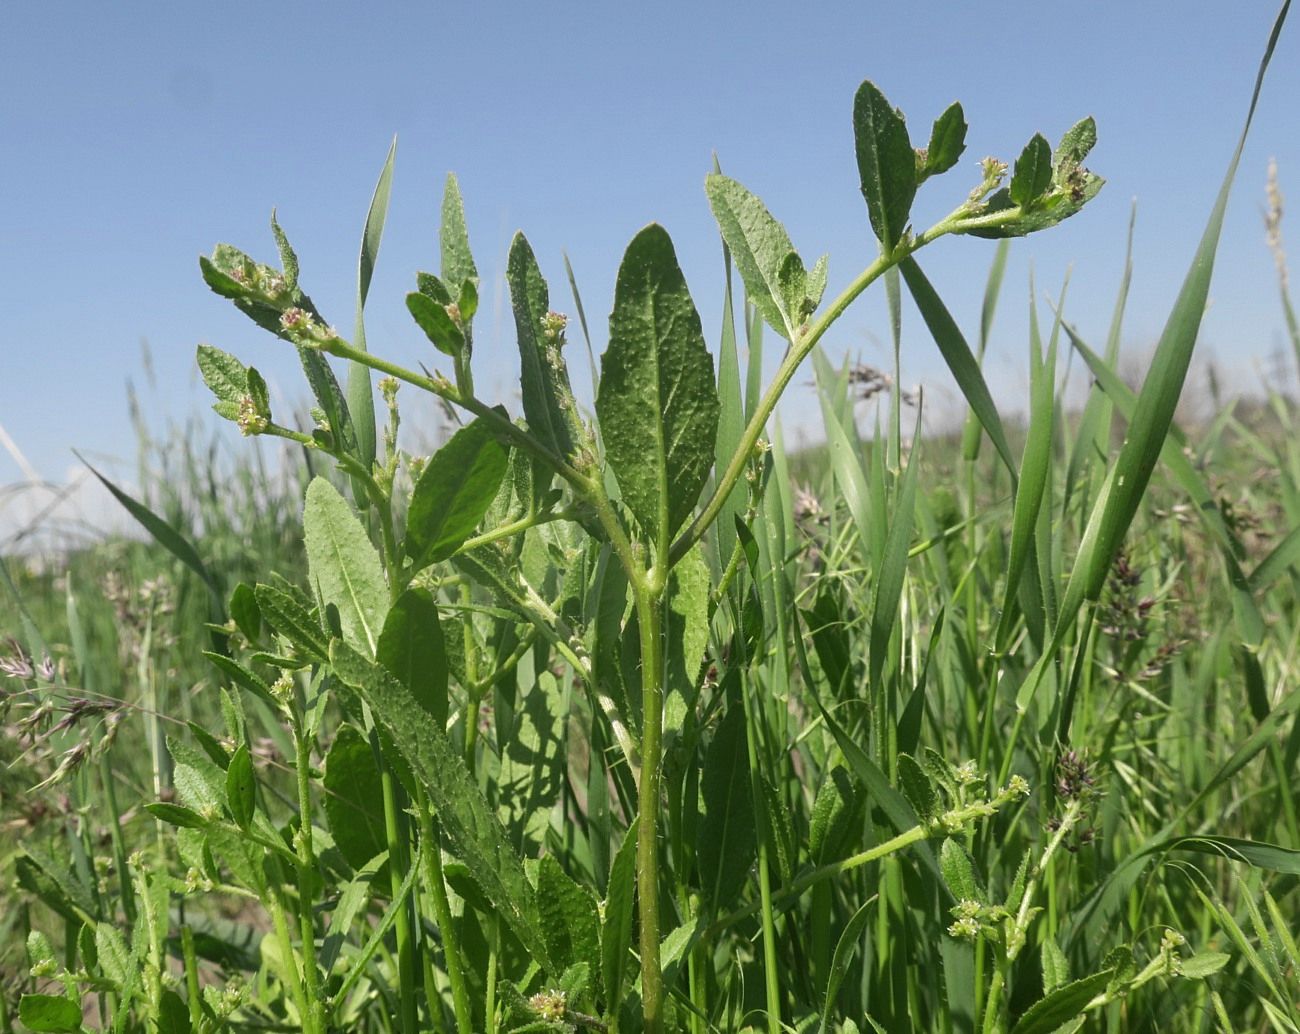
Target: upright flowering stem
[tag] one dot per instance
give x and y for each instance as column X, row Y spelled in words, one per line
column 649, row 611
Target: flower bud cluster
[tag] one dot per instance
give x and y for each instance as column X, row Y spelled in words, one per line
column 956, row 819
column 302, row 328
column 553, row 324
column 550, row 1005
column 282, row 690
column 224, row 1001
column 251, row 421
column 992, row 171
column 970, row 918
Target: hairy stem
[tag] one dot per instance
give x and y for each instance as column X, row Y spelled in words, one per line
column 650, row 618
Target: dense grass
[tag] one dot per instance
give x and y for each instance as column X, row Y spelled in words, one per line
column 1165, row 724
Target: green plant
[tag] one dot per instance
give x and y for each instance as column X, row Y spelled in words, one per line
column 631, row 481
column 573, row 698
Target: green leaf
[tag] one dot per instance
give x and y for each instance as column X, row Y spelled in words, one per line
column 437, row 324
column 886, row 163
column 163, row 533
column 845, row 948
column 834, row 822
column 288, row 259
column 455, row 490
column 466, row 817
column 731, row 418
column 241, row 787
column 240, row 675
column 569, row 918
column 916, row 787
column 686, row 631
column 1033, row 171
column 816, row 284
column 53, row 881
column 1035, row 465
column 244, row 610
column 1252, row 852
column 361, row 399
column 457, row 262
column 1056, row 969
column 173, row 1014
column 354, row 897
column 1076, row 144
column 114, row 958
column 957, row 354
column 727, row 840
column 531, row 777
column 259, row 393
column 894, row 805
column 292, row 620
column 1162, row 387
column 616, row 934
column 657, row 405
column 893, row 566
column 1062, row 1005
column 1203, row 964
column 947, row 141
column 1173, row 454
column 344, row 566
column 1283, row 556
column 959, row 872
column 539, row 360
column 793, row 280
column 467, row 301
column 761, row 248
column 353, row 798
column 433, row 287
column 49, row 1013
column 220, row 281
column 176, row 815
column 412, row 648
column 200, row 782
column 225, row 375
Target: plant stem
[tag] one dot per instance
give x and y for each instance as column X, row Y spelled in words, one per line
column 431, row 849
column 789, row 895
column 650, row 618
column 396, row 842
column 306, row 870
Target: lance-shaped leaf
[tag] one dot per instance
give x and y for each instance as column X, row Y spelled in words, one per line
column 1154, row 411
column 225, row 375
column 455, row 490
column 361, row 400
column 468, row 821
column 886, row 163
column 1076, row 144
column 539, row 358
column 657, row 405
column 947, row 142
column 457, row 263
column 761, row 249
column 412, row 647
column 1033, row 172
column 436, row 322
column 957, row 354
column 344, row 566
column 353, row 798
column 727, row 838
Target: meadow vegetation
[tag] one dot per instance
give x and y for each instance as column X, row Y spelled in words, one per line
column 633, row 720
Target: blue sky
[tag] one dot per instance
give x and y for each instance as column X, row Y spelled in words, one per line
column 136, row 135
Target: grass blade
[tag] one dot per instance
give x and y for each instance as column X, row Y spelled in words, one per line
column 361, row 401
